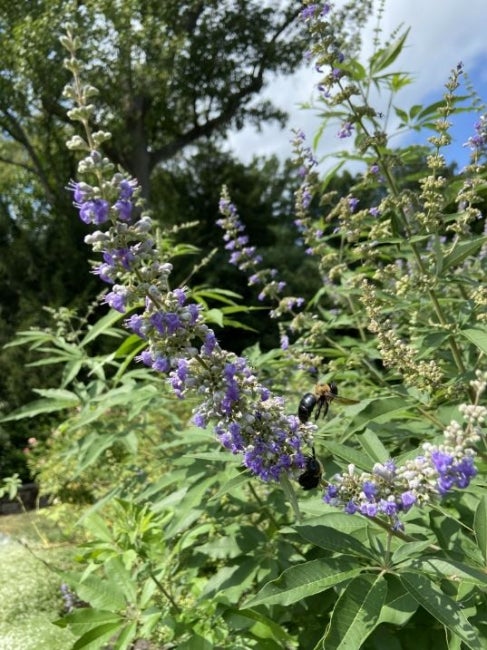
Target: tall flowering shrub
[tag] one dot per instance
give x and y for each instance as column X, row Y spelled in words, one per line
column 394, row 539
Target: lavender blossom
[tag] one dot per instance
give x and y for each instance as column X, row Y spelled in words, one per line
column 477, row 143
column 245, row 258
column 390, row 490
column 249, row 420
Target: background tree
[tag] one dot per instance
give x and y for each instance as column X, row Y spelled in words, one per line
column 174, row 75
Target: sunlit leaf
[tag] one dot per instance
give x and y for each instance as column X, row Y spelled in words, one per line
column 441, row 607
column 305, row 580
column 356, row 613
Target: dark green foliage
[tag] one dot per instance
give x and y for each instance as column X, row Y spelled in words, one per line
column 172, row 74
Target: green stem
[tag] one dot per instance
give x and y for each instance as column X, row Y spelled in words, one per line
column 164, row 591
column 407, row 232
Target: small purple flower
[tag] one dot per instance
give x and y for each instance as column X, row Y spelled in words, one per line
column 135, row 323
column 81, row 192
column 369, row 509
column 124, row 209
column 145, row 357
column 180, row 295
column 161, row 364
column 209, row 344
column 199, row 420
column 126, row 189
column 346, row 130
column 351, row 508
column 441, row 461
column 116, row 298
column 389, row 508
column 105, row 272
column 353, row 203
column 310, row 11
column 95, row 211
column 408, row 499
column 369, row 489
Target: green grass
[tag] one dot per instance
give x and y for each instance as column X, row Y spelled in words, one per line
column 29, row 584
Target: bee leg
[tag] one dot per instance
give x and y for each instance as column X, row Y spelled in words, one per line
column 326, row 406
column 319, row 406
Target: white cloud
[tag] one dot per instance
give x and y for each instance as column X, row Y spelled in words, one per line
column 442, row 34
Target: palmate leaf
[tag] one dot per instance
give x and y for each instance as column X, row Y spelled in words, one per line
column 443, row 608
column 305, row 580
column 356, row 613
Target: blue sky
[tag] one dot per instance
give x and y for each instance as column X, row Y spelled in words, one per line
column 442, row 34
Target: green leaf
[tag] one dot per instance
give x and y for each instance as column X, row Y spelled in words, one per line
column 477, row 336
column 53, row 400
column 480, row 526
column 382, row 409
column 236, row 481
column 127, row 635
column 461, row 251
column 97, row 637
column 439, row 569
column 441, row 607
column 97, row 527
column 290, row 493
column 372, row 445
column 399, row 606
column 334, row 540
column 305, row 580
column 104, row 326
column 409, row 550
column 214, row 316
column 356, row 613
column 385, row 57
column 265, row 628
column 101, row 594
column 120, row 579
column 350, row 455
column 83, row 620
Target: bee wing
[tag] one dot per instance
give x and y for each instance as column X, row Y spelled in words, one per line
column 347, row 400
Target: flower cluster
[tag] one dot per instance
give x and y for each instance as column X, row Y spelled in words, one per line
column 477, row 143
column 70, row 599
column 249, row 420
column 390, row 489
column 246, row 259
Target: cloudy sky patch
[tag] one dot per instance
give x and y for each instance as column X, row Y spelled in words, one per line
column 443, row 33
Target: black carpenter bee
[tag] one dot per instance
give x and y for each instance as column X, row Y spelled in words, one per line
column 322, row 397
column 311, row 477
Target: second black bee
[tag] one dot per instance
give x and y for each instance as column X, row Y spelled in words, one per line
column 311, row 477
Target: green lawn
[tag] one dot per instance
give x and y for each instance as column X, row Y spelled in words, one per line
column 29, row 584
